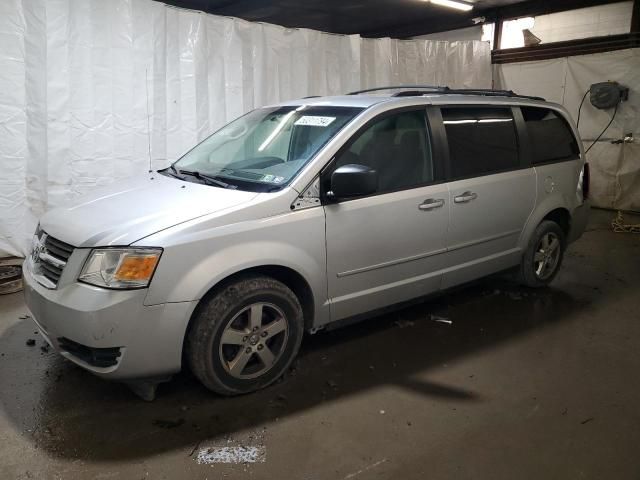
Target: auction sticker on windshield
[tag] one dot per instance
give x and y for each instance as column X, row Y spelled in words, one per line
column 314, row 121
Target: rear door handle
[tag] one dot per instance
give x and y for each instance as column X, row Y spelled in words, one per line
column 431, row 203
column 465, row 197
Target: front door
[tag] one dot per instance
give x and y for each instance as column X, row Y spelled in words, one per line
column 388, row 247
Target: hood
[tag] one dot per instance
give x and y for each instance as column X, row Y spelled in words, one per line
column 133, row 209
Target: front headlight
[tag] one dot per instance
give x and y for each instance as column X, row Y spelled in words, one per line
column 120, row 267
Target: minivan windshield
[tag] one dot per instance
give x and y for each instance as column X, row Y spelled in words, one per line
column 264, row 149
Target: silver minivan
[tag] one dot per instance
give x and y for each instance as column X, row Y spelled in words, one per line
column 300, row 215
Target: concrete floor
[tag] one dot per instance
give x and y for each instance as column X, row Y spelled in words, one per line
column 521, row 384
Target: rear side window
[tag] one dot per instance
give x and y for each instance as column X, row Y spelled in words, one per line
column 550, row 136
column 482, row 140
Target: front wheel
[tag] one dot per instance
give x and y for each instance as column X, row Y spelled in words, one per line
column 245, row 336
column 543, row 257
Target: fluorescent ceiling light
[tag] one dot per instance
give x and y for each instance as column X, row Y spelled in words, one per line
column 458, row 5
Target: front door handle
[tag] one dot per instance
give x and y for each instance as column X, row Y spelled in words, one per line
column 431, row 203
column 465, row 197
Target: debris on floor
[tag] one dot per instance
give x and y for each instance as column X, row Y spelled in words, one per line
column 239, row 454
column 439, row 319
column 168, row 424
column 404, row 323
column 279, row 402
column 30, row 343
column 251, row 449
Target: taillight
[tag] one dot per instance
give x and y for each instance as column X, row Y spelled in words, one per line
column 586, row 177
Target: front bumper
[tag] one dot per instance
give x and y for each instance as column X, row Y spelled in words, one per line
column 109, row 332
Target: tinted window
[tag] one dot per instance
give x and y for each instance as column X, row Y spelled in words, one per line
column 549, row 134
column 481, row 140
column 397, row 147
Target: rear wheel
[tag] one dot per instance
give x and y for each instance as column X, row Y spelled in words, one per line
column 543, row 257
column 245, row 336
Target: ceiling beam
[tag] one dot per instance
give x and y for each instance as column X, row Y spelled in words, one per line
column 529, row 8
column 568, row 48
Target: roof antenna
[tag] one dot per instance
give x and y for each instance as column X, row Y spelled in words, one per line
column 146, row 76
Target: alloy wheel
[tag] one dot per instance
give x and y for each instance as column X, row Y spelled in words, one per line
column 547, row 255
column 253, row 340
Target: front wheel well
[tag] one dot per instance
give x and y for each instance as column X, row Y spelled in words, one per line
column 562, row 217
column 289, row 277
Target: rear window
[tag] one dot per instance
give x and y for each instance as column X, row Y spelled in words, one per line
column 481, row 140
column 550, row 136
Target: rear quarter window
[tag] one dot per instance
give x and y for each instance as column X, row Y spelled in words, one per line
column 550, row 136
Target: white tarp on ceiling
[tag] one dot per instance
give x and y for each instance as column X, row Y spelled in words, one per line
column 75, row 76
column 615, row 167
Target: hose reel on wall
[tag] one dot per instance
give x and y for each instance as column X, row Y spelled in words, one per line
column 603, row 96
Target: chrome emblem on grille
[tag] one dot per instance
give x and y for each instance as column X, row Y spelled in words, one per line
column 45, row 267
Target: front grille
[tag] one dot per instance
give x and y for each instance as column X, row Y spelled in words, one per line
column 50, row 271
column 58, row 248
column 96, row 357
column 59, row 251
column 49, row 257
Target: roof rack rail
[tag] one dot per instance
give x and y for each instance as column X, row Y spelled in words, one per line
column 490, row 93
column 394, row 87
column 419, row 90
column 418, row 93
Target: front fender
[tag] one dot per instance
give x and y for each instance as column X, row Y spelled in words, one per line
column 195, row 260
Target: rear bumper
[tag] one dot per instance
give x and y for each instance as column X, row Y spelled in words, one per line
column 110, row 333
column 579, row 220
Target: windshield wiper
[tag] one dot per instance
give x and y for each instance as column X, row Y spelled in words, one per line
column 208, row 179
column 174, row 172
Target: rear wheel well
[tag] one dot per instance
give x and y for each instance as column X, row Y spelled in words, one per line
column 560, row 216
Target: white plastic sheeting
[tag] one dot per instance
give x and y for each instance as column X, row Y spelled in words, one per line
column 615, row 167
column 82, row 82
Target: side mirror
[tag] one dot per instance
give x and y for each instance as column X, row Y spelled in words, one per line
column 353, row 181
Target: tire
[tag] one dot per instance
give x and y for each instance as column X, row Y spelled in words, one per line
column 245, row 336
column 531, row 274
